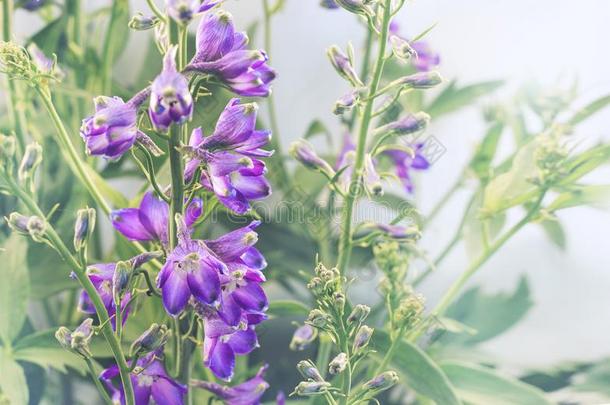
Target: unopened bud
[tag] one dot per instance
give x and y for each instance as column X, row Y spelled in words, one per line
column 421, row 80
column 32, row 158
column 372, row 180
column 303, row 337
column 358, row 314
column 339, row 301
column 302, row 151
column 120, row 279
column 36, row 228
column 7, row 149
column 406, row 125
column 83, row 227
column 64, row 337
column 153, row 338
column 382, row 382
column 140, row 22
column 318, row 318
column 77, row 341
column 410, row 309
column 345, row 103
column 338, row 364
column 309, row 370
column 343, row 66
column 18, row 223
column 357, row 6
column 362, row 338
column 401, row 48
column 182, row 11
column 311, row 387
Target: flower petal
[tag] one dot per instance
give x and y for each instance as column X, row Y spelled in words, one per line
column 244, row 341
column 219, row 357
column 175, row 292
column 204, row 283
column 251, row 297
column 127, row 222
column 167, row 392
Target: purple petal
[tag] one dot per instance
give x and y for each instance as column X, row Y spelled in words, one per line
column 243, row 341
column 229, row 311
column 167, row 392
column 127, row 221
column 234, row 244
column 251, row 297
column 215, row 36
column 154, row 214
column 254, row 259
column 193, row 212
column 141, row 391
column 204, row 283
column 252, row 187
column 219, row 357
column 175, row 292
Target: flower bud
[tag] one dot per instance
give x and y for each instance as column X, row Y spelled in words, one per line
column 18, row 223
column 401, row 48
column 357, row 6
column 32, row 158
column 64, row 337
column 316, row 285
column 303, row 337
column 410, row 309
column 372, row 180
column 311, row 387
column 318, row 318
column 83, row 227
column 120, row 279
column 382, row 382
column 182, row 11
column 363, row 337
column 339, row 301
column 77, row 341
column 7, row 148
column 309, row 370
column 421, row 80
column 338, row 364
column 140, row 22
column 330, row 4
column 406, row 125
column 36, row 228
column 358, row 314
column 153, row 338
column 345, row 103
column 302, row 151
column 343, row 65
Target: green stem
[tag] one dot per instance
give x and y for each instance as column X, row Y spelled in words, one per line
column 97, row 381
column 345, row 245
column 77, row 165
column 177, row 179
column 15, row 96
column 108, row 50
column 87, row 285
column 366, row 63
column 277, row 158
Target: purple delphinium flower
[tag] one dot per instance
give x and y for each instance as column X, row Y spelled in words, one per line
column 249, row 392
column 170, row 98
column 222, row 52
column 330, row 4
column 404, row 162
column 111, row 130
column 191, row 269
column 234, row 171
column 149, row 222
column 426, row 58
column 152, row 382
column 101, row 276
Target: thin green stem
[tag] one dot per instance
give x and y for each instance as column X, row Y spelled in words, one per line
column 109, row 42
column 87, row 285
column 366, row 63
column 15, row 102
column 177, row 178
column 345, row 245
column 153, row 7
column 97, row 381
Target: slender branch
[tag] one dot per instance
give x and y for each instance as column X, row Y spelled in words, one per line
column 87, row 285
column 345, row 246
column 97, row 381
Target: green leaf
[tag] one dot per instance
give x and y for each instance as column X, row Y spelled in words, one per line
column 317, row 127
column 597, row 195
column 554, row 230
column 595, row 379
column 481, row 161
column 589, row 110
column 489, row 314
column 287, row 308
column 14, row 287
column 13, row 384
column 476, row 385
column 417, row 370
column 50, row 39
column 42, row 348
column 586, row 162
column 453, row 98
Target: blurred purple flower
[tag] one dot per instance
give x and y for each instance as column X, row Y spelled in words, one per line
column 149, row 222
column 222, row 52
column 404, row 162
column 426, row 59
column 32, row 5
column 249, row 392
column 152, row 382
column 330, row 4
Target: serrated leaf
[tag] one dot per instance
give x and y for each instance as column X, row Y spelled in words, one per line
column 417, row 370
column 42, row 348
column 489, row 314
column 476, row 385
column 287, row 308
column 14, row 287
column 589, row 110
column 13, row 384
column 453, row 98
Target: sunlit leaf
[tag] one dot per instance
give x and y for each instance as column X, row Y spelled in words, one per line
column 14, row 287
column 597, row 195
column 453, row 98
column 589, row 110
column 486, row 151
column 554, row 230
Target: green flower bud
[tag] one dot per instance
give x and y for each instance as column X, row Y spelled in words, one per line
column 410, row 309
column 77, row 341
column 120, row 279
column 311, row 388
column 401, row 48
column 363, row 337
column 318, row 318
column 338, row 364
column 32, row 158
column 421, row 80
column 382, row 382
column 339, row 301
column 343, row 65
column 83, row 227
column 304, row 153
column 153, row 338
column 18, row 223
column 309, row 370
column 64, row 337
column 140, row 22
column 36, row 228
column 358, row 314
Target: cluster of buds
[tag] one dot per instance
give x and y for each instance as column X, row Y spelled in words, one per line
column 344, row 64
column 32, row 226
column 550, row 157
column 314, row 383
column 77, row 341
column 152, row 339
column 369, row 232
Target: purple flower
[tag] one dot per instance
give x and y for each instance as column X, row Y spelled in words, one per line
column 330, row 4
column 408, row 124
column 152, row 381
column 101, row 276
column 426, row 58
column 32, row 5
column 182, row 11
column 191, row 269
column 112, row 129
column 170, row 99
column 404, row 162
column 343, row 65
column 149, row 222
column 222, row 52
column 234, row 172
column 207, row 4
column 249, row 392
